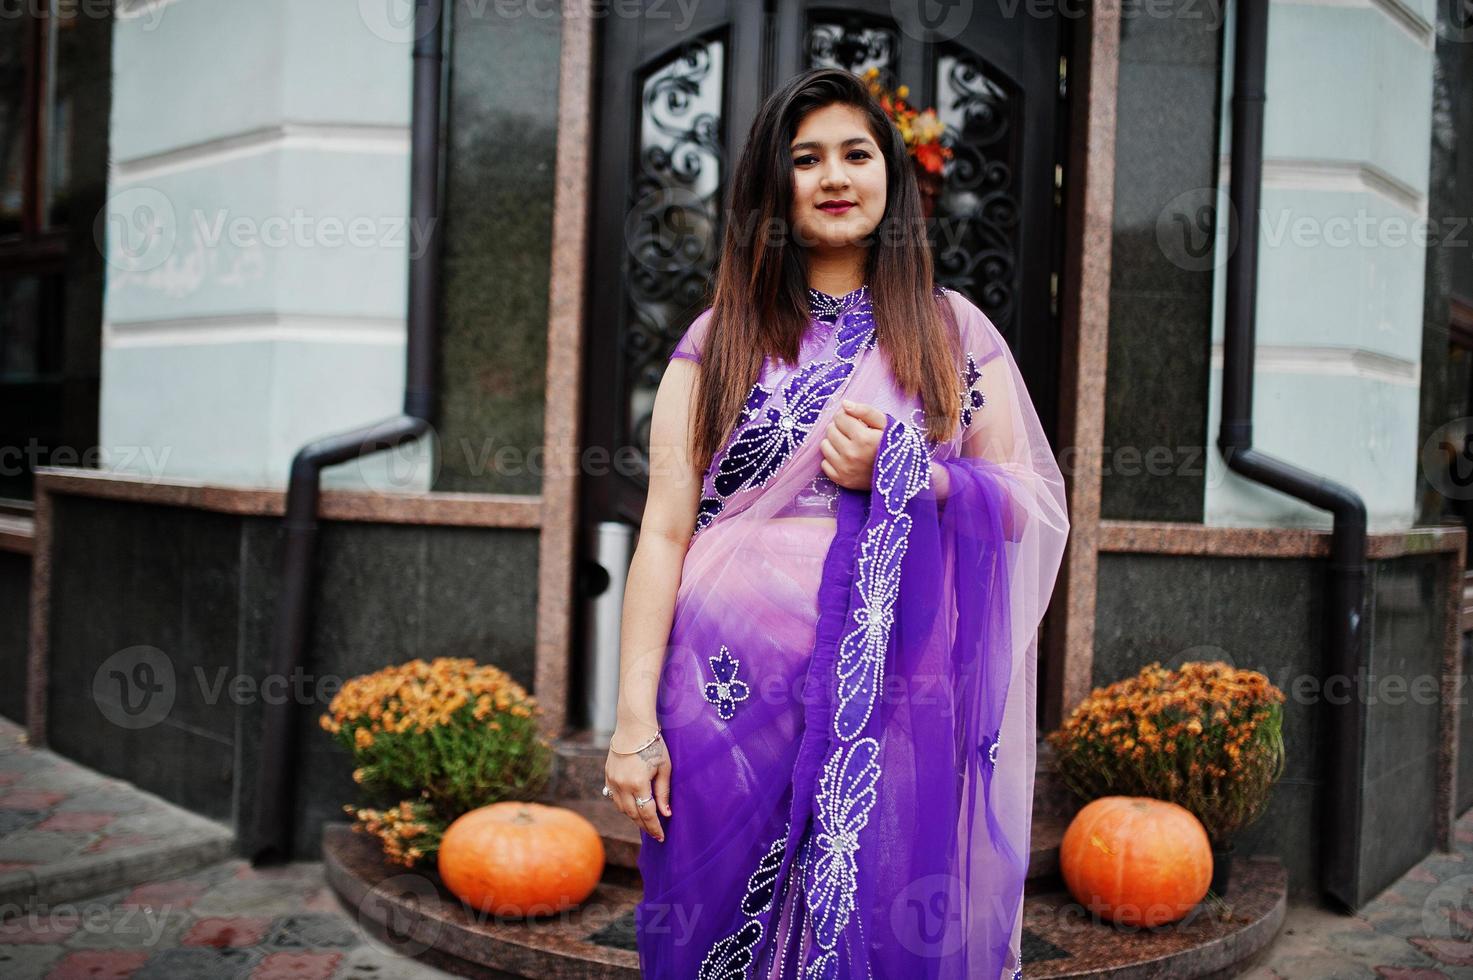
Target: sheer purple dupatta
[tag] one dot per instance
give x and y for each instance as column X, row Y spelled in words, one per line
column 872, row 817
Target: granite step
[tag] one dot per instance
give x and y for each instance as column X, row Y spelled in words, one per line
column 68, row 832
column 596, row 941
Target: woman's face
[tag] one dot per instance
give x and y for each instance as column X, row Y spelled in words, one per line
column 836, row 159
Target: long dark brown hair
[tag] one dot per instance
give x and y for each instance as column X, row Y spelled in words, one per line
column 759, row 298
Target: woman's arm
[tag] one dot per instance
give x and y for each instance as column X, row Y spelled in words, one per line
column 654, row 573
column 649, row 598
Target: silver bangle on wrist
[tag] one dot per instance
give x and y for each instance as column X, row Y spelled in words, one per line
column 638, row 750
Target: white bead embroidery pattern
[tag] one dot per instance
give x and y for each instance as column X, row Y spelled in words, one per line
column 766, row 435
column 826, row 967
column 972, row 398
column 823, row 488
column 726, row 690
column 861, row 657
column 903, row 468
column 756, row 397
column 731, row 958
column 758, row 450
column 822, row 306
column 847, row 788
column 856, row 333
column 846, row 792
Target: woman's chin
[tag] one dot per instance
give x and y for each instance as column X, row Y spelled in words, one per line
column 835, row 238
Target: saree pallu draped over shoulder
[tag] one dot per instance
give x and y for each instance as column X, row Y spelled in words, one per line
column 848, row 694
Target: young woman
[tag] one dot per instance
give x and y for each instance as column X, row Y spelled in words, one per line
column 853, row 527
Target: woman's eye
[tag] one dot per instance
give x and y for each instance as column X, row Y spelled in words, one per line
column 809, row 158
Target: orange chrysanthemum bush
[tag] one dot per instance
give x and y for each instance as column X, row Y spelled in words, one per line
column 1207, row 736
column 409, row 832
column 443, row 738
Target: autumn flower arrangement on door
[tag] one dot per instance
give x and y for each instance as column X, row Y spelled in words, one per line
column 1172, row 764
column 923, row 132
column 449, row 749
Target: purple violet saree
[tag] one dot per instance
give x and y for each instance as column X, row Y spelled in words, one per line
column 848, row 693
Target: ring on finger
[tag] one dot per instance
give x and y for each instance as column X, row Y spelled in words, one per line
column 641, row 802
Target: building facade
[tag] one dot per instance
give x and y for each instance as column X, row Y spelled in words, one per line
column 208, row 219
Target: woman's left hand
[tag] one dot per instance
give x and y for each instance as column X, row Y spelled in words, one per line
column 850, row 443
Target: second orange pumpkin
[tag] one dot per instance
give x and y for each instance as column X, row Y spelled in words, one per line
column 1136, row 861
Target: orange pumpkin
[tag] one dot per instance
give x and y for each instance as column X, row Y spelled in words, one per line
column 521, row 858
column 1136, row 861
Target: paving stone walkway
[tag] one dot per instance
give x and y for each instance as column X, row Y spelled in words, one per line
column 101, row 880
column 225, row 921
column 1420, row 928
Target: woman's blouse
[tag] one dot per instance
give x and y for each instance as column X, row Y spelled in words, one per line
column 820, row 496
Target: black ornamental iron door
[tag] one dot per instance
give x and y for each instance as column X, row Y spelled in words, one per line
column 678, row 89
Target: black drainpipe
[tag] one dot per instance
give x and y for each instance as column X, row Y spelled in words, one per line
column 1340, row 816
column 269, row 837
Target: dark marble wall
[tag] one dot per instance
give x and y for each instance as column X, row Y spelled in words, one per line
column 201, row 589
column 387, row 594
column 1405, row 634
column 15, row 614
column 144, row 603
column 1174, row 609
column 1161, row 273
column 1463, row 792
column 497, row 224
column 1446, row 370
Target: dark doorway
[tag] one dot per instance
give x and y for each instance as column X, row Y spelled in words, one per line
column 676, row 101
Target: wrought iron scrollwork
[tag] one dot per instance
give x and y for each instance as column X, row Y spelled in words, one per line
column 854, row 43
column 672, row 220
column 977, row 247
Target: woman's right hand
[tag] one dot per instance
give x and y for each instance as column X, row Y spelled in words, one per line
column 644, row 774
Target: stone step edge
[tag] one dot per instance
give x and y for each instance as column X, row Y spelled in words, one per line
column 1226, row 958
column 416, row 934
column 1221, row 959
column 87, row 875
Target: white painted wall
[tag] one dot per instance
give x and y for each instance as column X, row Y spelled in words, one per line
column 257, row 238
column 1339, row 315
